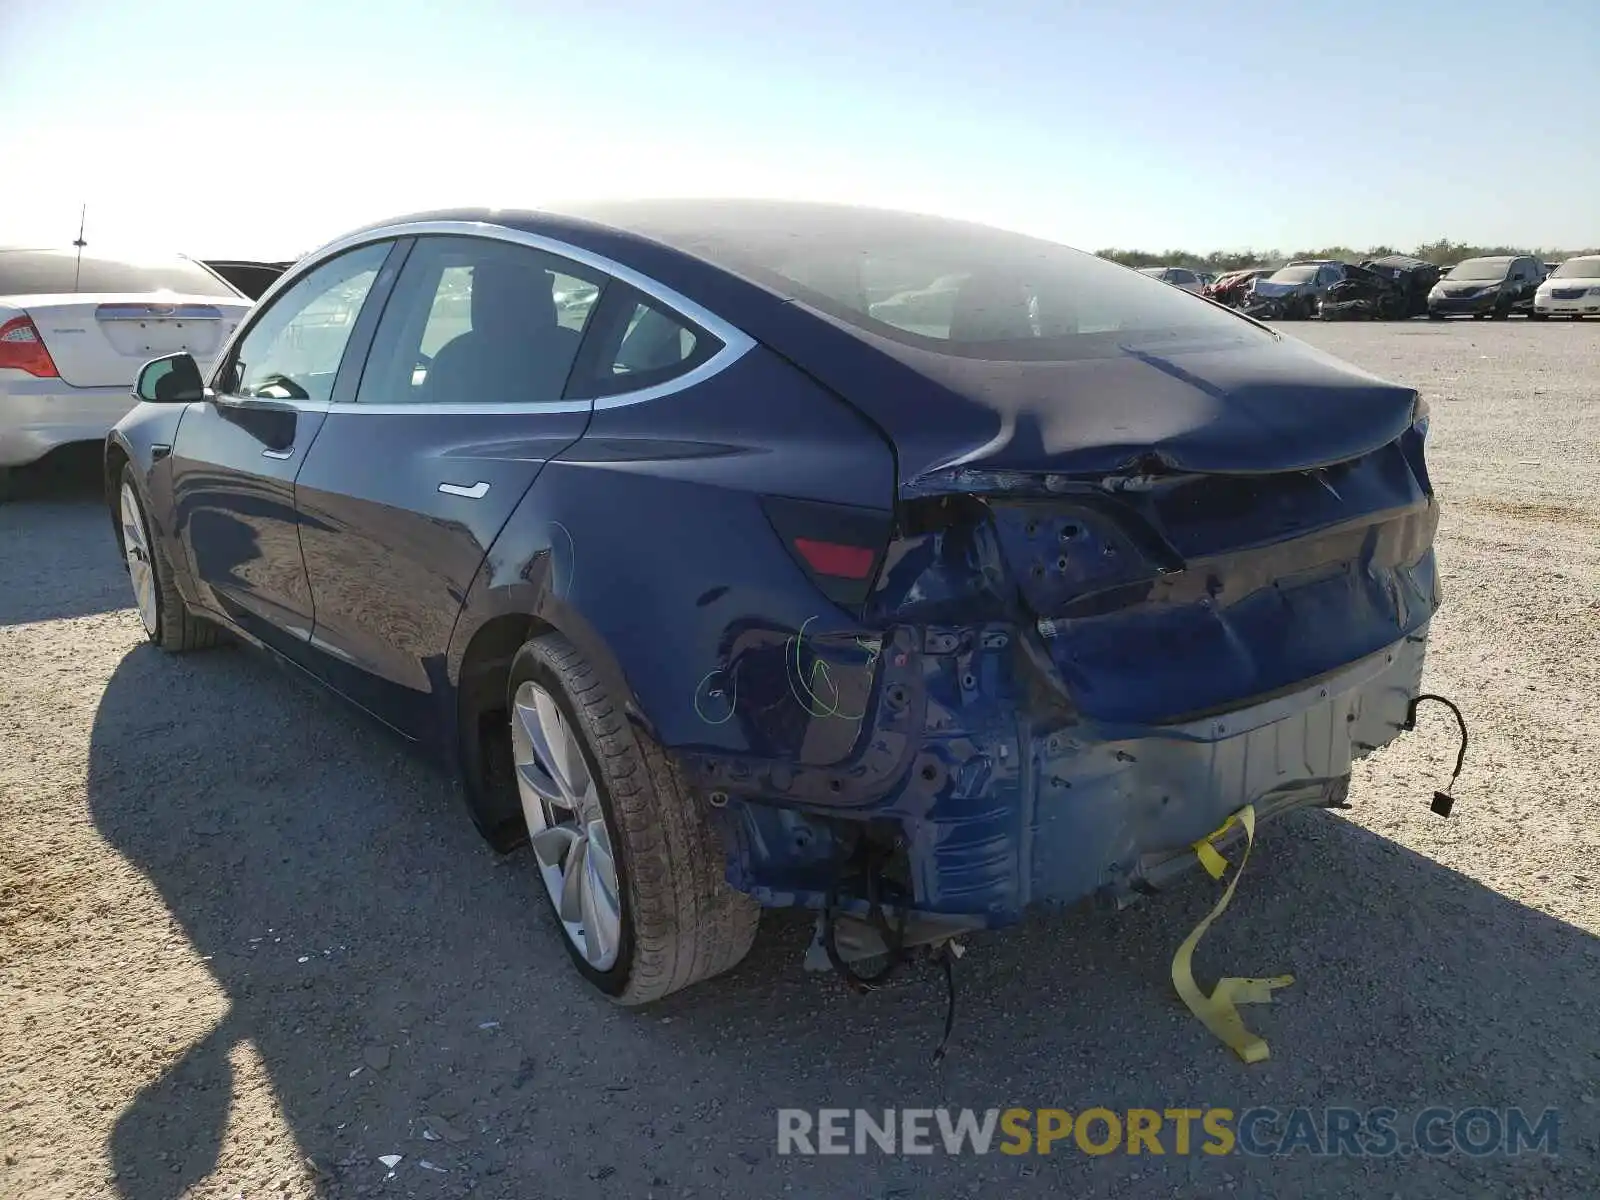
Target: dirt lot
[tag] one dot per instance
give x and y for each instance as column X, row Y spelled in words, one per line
column 248, row 944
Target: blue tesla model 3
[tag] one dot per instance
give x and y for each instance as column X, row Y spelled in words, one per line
column 747, row 554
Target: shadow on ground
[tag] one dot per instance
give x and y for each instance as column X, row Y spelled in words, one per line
column 49, row 568
column 254, row 804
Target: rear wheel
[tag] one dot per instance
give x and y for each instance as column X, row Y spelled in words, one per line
column 628, row 858
column 166, row 618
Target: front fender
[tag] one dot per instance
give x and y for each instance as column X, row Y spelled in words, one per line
column 144, row 439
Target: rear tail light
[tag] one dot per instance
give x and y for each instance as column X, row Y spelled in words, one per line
column 23, row 349
column 839, row 547
column 834, row 560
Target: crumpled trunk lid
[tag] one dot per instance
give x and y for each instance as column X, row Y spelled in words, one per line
column 1262, row 403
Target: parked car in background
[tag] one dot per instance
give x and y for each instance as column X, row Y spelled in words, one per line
column 1022, row 577
column 1493, row 287
column 1293, row 292
column 1178, row 277
column 1231, row 286
column 249, row 277
column 1572, row 289
column 1362, row 293
column 1412, row 278
column 75, row 331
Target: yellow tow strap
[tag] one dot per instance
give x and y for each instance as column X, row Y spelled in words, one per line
column 1217, row 1011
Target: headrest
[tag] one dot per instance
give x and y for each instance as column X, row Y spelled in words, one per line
column 512, row 297
column 990, row 308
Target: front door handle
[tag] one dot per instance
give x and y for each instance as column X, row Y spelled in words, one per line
column 279, row 454
column 476, row 492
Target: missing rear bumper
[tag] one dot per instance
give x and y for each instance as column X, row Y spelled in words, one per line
column 997, row 812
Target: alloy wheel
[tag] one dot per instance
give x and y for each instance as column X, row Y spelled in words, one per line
column 136, row 546
column 561, row 804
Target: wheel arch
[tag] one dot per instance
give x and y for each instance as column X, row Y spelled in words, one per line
column 115, row 460
column 494, row 625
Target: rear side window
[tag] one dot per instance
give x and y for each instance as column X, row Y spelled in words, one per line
column 637, row 343
column 479, row 321
column 59, row 273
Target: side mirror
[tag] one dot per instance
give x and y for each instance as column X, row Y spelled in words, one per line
column 172, row 379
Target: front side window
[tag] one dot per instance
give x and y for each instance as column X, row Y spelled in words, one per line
column 637, row 343
column 292, row 351
column 479, row 321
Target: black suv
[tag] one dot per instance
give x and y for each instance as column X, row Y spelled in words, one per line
column 1488, row 287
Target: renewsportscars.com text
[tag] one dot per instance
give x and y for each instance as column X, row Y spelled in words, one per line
column 1260, row 1131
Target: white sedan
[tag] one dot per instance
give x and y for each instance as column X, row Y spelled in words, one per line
column 75, row 331
column 1571, row 290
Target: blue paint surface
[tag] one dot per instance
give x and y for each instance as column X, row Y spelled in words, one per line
column 1116, row 598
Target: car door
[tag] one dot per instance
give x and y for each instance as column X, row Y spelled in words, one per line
column 458, row 408
column 236, row 453
column 1525, row 277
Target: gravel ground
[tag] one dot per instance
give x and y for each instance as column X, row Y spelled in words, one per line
column 248, row 944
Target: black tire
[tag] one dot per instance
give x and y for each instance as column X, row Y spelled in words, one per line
column 177, row 630
column 1435, row 316
column 1536, row 316
column 7, row 484
column 681, row 920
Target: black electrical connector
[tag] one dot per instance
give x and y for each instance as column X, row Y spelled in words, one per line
column 1443, row 801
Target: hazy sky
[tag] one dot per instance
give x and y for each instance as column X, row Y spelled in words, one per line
column 245, row 128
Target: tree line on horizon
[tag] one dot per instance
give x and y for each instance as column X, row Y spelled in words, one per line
column 1444, row 253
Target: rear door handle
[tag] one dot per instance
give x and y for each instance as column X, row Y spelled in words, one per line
column 476, row 492
column 280, row 454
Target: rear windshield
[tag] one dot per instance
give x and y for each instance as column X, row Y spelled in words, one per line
column 948, row 286
column 1578, row 268
column 58, row 272
column 1481, row 268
